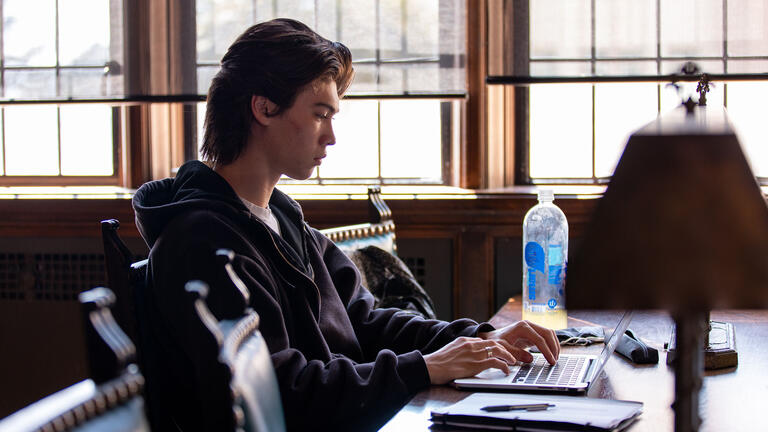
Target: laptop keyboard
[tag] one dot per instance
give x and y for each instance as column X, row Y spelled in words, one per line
column 564, row 372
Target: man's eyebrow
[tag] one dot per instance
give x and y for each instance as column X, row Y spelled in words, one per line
column 329, row 106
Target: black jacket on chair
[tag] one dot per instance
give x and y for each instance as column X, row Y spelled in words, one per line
column 339, row 362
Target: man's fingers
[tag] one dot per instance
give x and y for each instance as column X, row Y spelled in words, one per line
column 551, row 339
column 494, row 363
column 497, row 349
column 517, row 352
column 541, row 343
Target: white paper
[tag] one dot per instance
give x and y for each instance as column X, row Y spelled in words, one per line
column 603, row 413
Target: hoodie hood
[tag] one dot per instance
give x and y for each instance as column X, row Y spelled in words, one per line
column 196, row 186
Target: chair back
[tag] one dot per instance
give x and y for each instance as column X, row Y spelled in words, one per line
column 246, row 396
column 124, row 273
column 110, row 400
column 379, row 231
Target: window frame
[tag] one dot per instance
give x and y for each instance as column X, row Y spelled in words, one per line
column 452, row 123
column 153, row 30
column 513, row 72
column 116, row 179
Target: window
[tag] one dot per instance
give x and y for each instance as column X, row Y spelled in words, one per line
column 409, row 86
column 46, row 57
column 575, row 132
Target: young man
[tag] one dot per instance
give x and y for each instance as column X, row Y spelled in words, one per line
column 340, row 363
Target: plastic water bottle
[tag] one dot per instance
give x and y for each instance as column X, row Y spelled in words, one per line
column 545, row 255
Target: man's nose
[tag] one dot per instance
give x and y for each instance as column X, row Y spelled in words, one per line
column 331, row 138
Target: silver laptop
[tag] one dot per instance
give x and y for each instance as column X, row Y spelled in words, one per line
column 571, row 373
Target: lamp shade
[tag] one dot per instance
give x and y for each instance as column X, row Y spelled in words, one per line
column 683, row 223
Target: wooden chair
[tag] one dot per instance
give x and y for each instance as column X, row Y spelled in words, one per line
column 124, row 274
column 379, row 231
column 111, row 399
column 243, row 393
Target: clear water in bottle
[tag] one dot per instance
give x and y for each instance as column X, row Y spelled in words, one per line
column 545, row 254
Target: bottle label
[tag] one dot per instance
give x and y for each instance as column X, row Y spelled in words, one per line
column 555, row 255
column 555, row 274
column 552, row 303
column 531, row 283
column 534, row 258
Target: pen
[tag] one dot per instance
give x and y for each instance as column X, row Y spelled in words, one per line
column 527, row 407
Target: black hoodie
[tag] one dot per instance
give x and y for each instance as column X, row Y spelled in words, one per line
column 340, row 363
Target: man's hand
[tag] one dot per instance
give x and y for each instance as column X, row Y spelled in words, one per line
column 467, row 356
column 524, row 334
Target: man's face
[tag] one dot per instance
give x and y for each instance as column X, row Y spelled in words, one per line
column 301, row 133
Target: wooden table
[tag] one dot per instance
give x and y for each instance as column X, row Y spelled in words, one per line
column 734, row 399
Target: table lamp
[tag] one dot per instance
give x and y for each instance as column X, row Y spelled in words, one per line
column 682, row 226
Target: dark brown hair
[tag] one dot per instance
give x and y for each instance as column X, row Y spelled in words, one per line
column 275, row 59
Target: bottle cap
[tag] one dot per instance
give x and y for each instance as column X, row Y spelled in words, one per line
column 546, row 195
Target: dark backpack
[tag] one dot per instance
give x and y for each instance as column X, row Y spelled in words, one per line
column 391, row 282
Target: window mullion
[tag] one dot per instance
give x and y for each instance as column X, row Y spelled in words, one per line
column 58, row 87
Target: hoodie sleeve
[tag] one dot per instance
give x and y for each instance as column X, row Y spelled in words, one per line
column 391, row 328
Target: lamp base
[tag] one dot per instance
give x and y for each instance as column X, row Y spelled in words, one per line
column 720, row 352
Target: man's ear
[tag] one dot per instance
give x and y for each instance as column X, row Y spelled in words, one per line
column 261, row 109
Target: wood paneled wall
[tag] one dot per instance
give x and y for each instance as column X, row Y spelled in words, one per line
column 472, row 225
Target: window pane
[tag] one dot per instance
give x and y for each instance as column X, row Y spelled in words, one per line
column 204, row 76
column 219, row 23
column 391, row 32
column 30, row 84
column 358, row 20
column 86, row 138
column 29, row 33
column 747, row 66
column 747, row 24
column 366, row 78
column 423, row 28
column 411, row 144
column 579, row 68
column 79, row 47
column 625, row 68
column 31, row 141
column 82, row 83
column 302, row 10
column 356, row 151
column 326, row 15
column 560, row 29
column 419, row 77
column 746, row 111
column 264, row 10
column 625, row 28
column 691, row 28
column 620, row 109
column 561, row 130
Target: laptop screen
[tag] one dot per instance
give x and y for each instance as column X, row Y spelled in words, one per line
column 610, row 345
